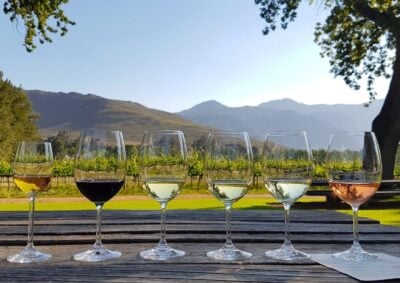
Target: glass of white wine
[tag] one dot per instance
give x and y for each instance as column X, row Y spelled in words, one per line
column 163, row 159
column 288, row 170
column 354, row 170
column 229, row 167
column 33, row 166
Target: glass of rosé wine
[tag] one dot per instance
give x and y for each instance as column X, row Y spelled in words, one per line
column 354, row 170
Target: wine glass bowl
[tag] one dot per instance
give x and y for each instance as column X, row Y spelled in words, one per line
column 100, row 169
column 163, row 160
column 288, row 169
column 354, row 171
column 229, row 167
column 32, row 171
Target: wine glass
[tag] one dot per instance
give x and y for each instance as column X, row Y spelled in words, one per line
column 100, row 169
column 288, row 169
column 229, row 166
column 33, row 167
column 163, row 160
column 354, row 171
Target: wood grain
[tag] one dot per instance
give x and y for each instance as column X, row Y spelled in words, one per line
column 64, row 233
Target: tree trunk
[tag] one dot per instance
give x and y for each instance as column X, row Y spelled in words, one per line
column 387, row 124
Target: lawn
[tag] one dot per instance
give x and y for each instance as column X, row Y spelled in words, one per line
column 385, row 216
column 184, row 201
column 389, row 216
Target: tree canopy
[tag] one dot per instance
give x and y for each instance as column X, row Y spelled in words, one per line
column 361, row 38
column 358, row 37
column 17, row 121
column 41, row 18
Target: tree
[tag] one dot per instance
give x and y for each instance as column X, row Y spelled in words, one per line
column 63, row 145
column 36, row 16
column 17, row 121
column 361, row 38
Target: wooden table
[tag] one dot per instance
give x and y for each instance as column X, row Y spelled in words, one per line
column 64, row 233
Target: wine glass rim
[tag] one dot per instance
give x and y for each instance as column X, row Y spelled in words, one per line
column 286, row 132
column 164, row 131
column 34, row 142
column 339, row 133
column 99, row 130
column 228, row 133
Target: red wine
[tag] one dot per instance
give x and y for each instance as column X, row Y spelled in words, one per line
column 99, row 191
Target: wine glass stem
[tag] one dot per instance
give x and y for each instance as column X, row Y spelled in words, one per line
column 32, row 197
column 355, row 226
column 287, row 222
column 98, row 244
column 228, row 242
column 163, row 240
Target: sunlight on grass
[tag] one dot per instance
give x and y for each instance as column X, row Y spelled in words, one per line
column 384, row 216
column 185, row 202
column 197, row 202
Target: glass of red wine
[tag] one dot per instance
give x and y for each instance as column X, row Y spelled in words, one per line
column 354, row 171
column 33, row 166
column 100, row 169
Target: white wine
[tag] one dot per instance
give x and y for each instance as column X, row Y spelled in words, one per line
column 229, row 190
column 163, row 190
column 35, row 184
column 287, row 191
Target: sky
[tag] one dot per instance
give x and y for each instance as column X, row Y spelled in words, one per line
column 171, row 55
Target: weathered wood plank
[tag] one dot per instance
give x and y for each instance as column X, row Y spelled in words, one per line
column 263, row 216
column 64, row 233
column 200, row 228
column 193, row 267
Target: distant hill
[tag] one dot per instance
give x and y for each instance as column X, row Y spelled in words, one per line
column 73, row 112
column 320, row 121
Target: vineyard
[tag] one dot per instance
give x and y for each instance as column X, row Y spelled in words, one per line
column 62, row 183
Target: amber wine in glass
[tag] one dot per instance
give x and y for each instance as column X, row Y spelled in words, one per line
column 33, row 166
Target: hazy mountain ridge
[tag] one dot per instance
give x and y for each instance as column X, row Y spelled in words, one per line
column 318, row 120
column 73, row 112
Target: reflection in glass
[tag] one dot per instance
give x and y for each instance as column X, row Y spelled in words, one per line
column 100, row 169
column 163, row 159
column 288, row 169
column 33, row 167
column 229, row 167
column 354, row 170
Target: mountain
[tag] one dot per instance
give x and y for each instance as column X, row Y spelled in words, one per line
column 73, row 112
column 320, row 120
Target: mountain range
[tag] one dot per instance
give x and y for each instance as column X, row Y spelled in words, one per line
column 73, row 111
column 320, row 120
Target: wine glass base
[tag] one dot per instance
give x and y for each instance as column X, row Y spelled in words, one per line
column 28, row 256
column 287, row 254
column 96, row 254
column 355, row 255
column 163, row 253
column 229, row 254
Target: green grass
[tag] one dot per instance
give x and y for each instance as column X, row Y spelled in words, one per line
column 390, row 216
column 384, row 216
column 186, row 203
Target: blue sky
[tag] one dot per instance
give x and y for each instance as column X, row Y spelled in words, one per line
column 173, row 54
